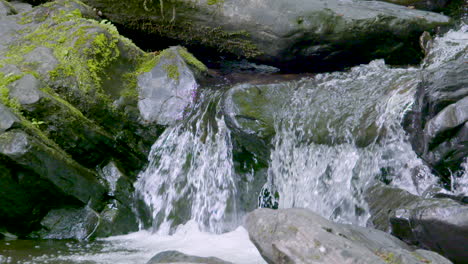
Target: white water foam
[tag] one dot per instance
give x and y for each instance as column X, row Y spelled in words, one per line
column 139, row 247
column 190, row 174
column 336, row 135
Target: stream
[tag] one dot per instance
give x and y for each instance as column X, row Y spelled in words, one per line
column 336, row 134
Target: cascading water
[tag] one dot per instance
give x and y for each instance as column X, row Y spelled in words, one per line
column 337, row 133
column 190, row 174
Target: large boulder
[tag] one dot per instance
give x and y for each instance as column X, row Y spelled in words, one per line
column 168, row 257
column 170, row 87
column 51, row 164
column 301, row 236
column 36, row 176
column 70, row 87
column 438, row 120
column 322, row 35
column 436, row 224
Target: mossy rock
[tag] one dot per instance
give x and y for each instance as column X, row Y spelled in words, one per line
column 169, row 87
column 322, row 35
column 69, row 97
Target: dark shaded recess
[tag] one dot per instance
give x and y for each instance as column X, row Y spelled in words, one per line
column 35, row 2
column 25, row 198
column 151, row 42
column 127, row 142
column 455, row 9
column 382, row 45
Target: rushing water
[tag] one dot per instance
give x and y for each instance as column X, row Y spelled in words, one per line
column 136, row 248
column 190, row 174
column 336, row 133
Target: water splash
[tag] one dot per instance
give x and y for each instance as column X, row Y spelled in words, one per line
column 341, row 131
column 190, row 173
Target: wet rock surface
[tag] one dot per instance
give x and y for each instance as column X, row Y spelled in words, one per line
column 69, row 91
column 168, row 257
column 438, row 224
column 6, row 9
column 313, row 35
column 69, row 224
column 301, row 236
column 437, row 123
column 170, row 87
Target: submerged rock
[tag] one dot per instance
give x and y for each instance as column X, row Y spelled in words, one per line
column 168, row 257
column 301, row 236
column 322, row 35
column 437, row 224
column 69, row 224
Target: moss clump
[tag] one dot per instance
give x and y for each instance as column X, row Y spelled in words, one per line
column 388, row 257
column 224, row 41
column 5, row 80
column 172, row 71
column 420, row 258
column 214, row 2
column 191, row 60
column 102, row 53
column 147, row 63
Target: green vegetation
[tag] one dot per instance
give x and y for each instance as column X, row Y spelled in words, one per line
column 389, row 257
column 191, row 60
column 172, row 71
column 214, row 2
column 5, row 98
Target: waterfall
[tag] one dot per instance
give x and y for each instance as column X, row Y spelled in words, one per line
column 337, row 133
column 190, row 173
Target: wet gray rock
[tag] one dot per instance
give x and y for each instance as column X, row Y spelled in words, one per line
column 437, row 123
column 7, row 118
column 318, row 34
column 69, row 223
column 450, row 117
column 26, row 90
column 173, row 257
column 301, row 236
column 6, row 8
column 383, row 201
column 438, row 224
column 117, row 218
column 21, row 7
column 168, row 89
column 52, row 165
column 435, row 224
column 44, row 59
column 249, row 112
